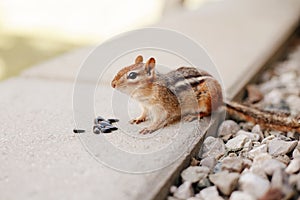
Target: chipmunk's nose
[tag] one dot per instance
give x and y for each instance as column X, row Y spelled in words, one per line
column 113, row 84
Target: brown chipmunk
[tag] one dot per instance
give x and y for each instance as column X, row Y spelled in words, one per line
column 186, row 93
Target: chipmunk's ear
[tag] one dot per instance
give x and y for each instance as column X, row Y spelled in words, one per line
column 149, row 66
column 139, row 59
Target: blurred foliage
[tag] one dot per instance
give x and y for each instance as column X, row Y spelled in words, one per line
column 20, row 52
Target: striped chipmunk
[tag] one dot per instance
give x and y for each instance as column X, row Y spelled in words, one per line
column 186, row 93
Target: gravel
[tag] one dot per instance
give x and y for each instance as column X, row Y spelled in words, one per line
column 246, row 162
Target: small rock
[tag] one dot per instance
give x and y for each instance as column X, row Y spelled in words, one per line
column 261, row 135
column 259, row 171
column 204, row 183
column 287, row 77
column 251, row 136
column 256, row 129
column 269, row 85
column 294, row 166
column 294, row 179
column 239, row 195
column 277, row 179
column 209, row 194
column 253, row 184
column 294, row 103
column 254, row 95
column 232, row 164
column 213, row 147
column 209, row 162
column 273, row 97
column 270, row 166
column 257, row 150
column 236, row 143
column 194, row 173
column 261, row 158
column 247, row 146
column 225, row 182
column 228, row 127
column 278, row 147
column 284, row 159
column 267, row 139
column 184, row 191
column 173, row 189
column 296, row 153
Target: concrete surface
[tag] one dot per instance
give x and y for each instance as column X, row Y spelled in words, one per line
column 42, row 159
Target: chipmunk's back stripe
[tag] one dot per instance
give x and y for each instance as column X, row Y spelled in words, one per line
column 190, row 82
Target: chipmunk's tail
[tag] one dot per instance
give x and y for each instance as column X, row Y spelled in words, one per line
column 277, row 121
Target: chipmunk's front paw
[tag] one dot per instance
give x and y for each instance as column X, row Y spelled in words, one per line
column 146, row 131
column 137, row 120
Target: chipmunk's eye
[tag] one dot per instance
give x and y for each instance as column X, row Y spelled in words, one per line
column 132, row 75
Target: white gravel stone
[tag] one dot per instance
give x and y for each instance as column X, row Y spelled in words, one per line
column 278, row 147
column 257, row 151
column 294, row 179
column 173, row 189
column 184, row 191
column 233, row 164
column 260, row 159
column 210, row 193
column 296, row 153
column 270, row 166
column 225, row 181
column 259, row 171
column 256, row 129
column 213, row 147
column 267, row 139
column 294, row 103
column 239, row 195
column 228, row 127
column 284, row 159
column 287, row 77
column 273, row 97
column 250, row 135
column 253, row 184
column 236, row 143
column 294, row 166
column 194, row 173
column 209, row 162
column 277, row 179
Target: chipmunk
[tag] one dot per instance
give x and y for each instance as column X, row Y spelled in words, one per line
column 186, row 93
